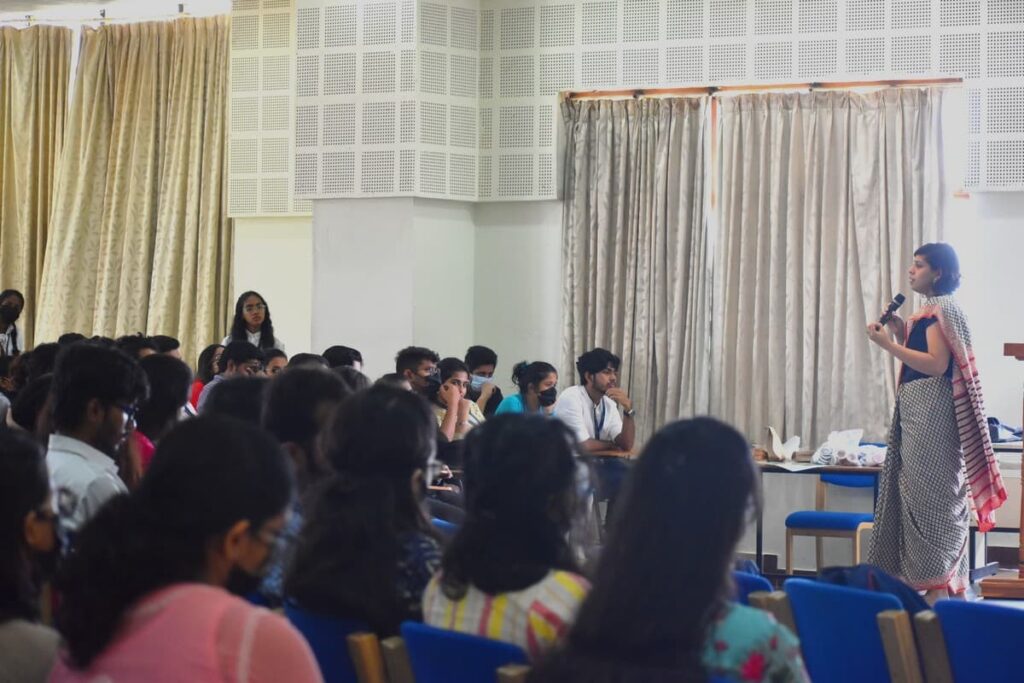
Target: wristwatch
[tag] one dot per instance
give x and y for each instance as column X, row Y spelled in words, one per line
column 629, row 413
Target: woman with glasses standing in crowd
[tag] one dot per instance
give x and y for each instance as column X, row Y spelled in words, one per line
column 252, row 323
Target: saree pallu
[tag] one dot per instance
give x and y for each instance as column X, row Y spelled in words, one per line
column 922, row 514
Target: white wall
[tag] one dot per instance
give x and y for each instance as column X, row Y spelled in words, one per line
column 274, row 256
column 518, row 307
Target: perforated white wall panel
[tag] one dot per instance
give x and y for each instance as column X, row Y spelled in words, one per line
column 263, row 162
column 458, row 98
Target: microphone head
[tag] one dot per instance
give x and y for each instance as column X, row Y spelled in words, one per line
column 899, row 299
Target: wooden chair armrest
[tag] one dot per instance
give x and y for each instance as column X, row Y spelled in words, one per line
column 900, row 649
column 364, row 649
column 775, row 603
column 513, row 673
column 932, row 646
column 396, row 660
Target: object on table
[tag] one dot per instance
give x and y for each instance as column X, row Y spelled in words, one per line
column 779, row 451
column 1000, row 433
column 844, row 448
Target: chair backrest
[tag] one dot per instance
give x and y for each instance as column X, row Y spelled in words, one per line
column 444, row 527
column 852, row 480
column 981, row 640
column 327, row 638
column 747, row 584
column 838, row 630
column 441, row 656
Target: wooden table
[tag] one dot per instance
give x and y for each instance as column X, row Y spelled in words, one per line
column 613, row 453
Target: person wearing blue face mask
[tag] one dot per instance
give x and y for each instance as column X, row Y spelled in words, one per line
column 482, row 362
column 538, row 390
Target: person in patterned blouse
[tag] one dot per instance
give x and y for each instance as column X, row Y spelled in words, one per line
column 660, row 609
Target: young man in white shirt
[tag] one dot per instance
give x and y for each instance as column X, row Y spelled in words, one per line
column 95, row 393
column 240, row 359
column 591, row 410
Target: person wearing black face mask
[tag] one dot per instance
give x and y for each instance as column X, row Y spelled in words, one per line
column 29, row 551
column 12, row 302
column 537, row 382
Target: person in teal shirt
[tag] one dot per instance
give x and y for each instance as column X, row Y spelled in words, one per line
column 538, row 391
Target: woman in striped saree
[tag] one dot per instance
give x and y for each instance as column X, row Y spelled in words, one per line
column 939, row 447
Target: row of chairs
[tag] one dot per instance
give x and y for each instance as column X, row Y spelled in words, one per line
column 348, row 653
column 852, row 635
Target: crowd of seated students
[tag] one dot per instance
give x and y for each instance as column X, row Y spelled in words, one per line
column 299, row 482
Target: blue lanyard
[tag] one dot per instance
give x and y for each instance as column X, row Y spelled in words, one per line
column 599, row 425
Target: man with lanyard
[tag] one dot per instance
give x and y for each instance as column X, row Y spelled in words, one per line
column 591, row 410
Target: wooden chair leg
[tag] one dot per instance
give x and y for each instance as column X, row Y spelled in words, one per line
column 819, row 561
column 900, row 648
column 789, row 551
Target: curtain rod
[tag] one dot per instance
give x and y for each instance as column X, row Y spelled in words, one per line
column 756, row 87
column 31, row 20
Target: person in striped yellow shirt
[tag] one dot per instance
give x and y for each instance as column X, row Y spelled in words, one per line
column 509, row 573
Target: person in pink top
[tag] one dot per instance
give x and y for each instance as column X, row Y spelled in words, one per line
column 150, row 593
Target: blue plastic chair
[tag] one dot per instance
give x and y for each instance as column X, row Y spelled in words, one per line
column 747, row 584
column 327, row 638
column 981, row 640
column 821, row 523
column 442, row 656
column 444, row 527
column 838, row 630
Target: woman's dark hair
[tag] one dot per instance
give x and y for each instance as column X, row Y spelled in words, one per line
column 594, row 361
column 208, row 474
column 86, row 371
column 480, row 355
column 170, row 382
column 239, row 329
column 347, row 555
column 134, row 344
column 164, row 343
column 238, row 397
column 446, row 367
column 941, row 257
column 30, row 402
column 204, row 366
column 524, row 374
column 665, row 568
column 24, row 485
column 42, row 360
column 340, row 356
column 69, row 338
column 521, row 500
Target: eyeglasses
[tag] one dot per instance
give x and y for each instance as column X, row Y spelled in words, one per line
column 130, row 411
column 255, row 308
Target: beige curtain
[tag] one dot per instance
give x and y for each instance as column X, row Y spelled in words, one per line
column 823, row 198
column 635, row 249
column 34, row 71
column 141, row 240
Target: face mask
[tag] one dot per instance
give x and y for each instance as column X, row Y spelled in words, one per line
column 548, row 397
column 476, row 382
column 9, row 314
column 242, row 583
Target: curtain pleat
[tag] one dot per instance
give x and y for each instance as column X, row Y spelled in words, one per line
column 141, row 240
column 636, row 249
column 34, row 70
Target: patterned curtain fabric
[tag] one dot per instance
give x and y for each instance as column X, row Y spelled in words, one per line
column 823, row 198
column 34, row 76
column 140, row 239
column 636, row 251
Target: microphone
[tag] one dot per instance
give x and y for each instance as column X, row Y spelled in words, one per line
column 894, row 305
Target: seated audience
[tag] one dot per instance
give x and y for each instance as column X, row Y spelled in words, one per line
column 252, row 323
column 482, row 363
column 538, row 389
column 12, row 303
column 509, row 573
column 169, row 381
column 343, row 356
column 28, row 554
column 393, row 379
column 455, row 414
column 138, row 346
column 207, row 367
column 168, row 346
column 298, row 405
column 69, row 338
column 150, row 593
column 307, row 360
column 660, row 607
column 274, row 361
column 41, row 360
column 95, row 393
column 239, row 359
column 353, row 379
column 239, row 397
column 32, row 410
column 417, row 365
column 6, row 386
column 368, row 550
column 591, row 409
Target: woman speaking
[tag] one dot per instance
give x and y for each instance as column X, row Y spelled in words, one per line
column 939, row 445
